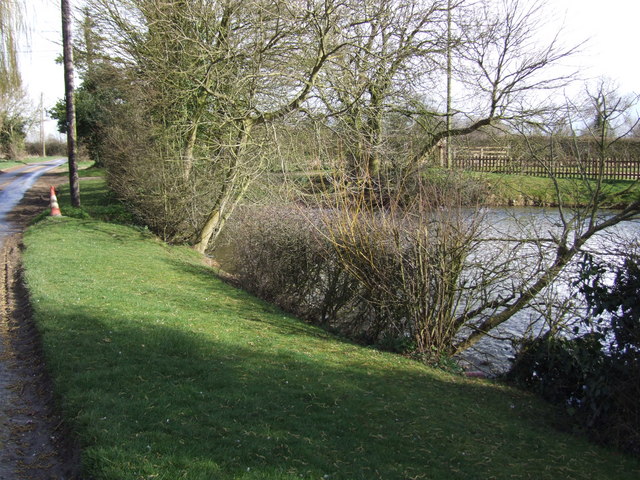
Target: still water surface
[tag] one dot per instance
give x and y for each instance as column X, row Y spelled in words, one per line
column 493, row 354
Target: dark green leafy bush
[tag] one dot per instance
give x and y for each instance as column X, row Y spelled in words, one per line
column 558, row 368
column 596, row 376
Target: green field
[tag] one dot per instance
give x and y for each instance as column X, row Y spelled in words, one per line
column 4, row 164
column 165, row 372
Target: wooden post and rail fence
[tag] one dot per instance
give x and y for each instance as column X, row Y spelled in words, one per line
column 500, row 160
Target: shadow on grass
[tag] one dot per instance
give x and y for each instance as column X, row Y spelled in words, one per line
column 97, row 201
column 152, row 400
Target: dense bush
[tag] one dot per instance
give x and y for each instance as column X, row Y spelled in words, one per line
column 279, row 255
column 155, row 189
column 559, row 369
column 147, row 172
column 382, row 274
column 53, row 147
column 408, row 262
column 595, row 376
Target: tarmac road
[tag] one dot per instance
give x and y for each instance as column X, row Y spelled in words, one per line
column 15, row 183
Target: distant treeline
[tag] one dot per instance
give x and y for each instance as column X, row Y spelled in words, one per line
column 52, row 148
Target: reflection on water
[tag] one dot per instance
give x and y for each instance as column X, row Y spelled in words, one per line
column 494, row 353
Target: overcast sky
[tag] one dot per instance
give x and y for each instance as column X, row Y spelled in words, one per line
column 609, row 26
column 611, row 30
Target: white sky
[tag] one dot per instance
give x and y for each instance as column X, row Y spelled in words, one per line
column 40, row 73
column 610, row 26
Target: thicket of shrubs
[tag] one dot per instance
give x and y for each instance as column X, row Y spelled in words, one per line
column 53, row 147
column 595, row 376
column 387, row 274
column 279, row 255
column 147, row 174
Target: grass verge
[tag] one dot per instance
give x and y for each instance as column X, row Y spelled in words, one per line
column 165, row 372
column 96, row 202
column 516, row 190
column 86, row 168
column 4, row 164
column 540, row 191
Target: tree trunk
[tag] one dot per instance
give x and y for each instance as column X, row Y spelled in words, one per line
column 192, row 136
column 233, row 190
column 67, row 43
column 219, row 215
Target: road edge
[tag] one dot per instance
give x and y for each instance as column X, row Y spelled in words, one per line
column 37, row 443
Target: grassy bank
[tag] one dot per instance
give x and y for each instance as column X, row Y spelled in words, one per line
column 522, row 190
column 165, row 372
column 513, row 190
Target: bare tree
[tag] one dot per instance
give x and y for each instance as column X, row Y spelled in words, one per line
column 16, row 111
column 11, row 28
column 500, row 70
column 564, row 238
column 395, row 63
column 387, row 54
column 408, row 258
column 215, row 74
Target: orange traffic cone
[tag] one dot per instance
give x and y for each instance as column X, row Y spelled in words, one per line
column 55, row 208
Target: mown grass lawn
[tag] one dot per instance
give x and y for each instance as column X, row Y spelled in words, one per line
column 165, row 372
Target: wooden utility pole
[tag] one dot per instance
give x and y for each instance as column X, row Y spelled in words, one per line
column 67, row 44
column 449, row 72
column 42, row 140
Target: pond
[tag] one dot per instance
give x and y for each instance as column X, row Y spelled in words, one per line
column 493, row 355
